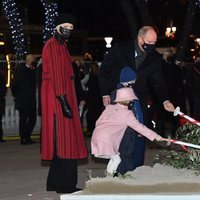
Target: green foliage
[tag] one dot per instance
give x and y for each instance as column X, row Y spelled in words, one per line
column 127, row 175
column 89, row 171
column 179, row 158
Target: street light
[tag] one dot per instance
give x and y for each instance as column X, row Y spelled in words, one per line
column 108, row 41
column 170, row 32
column 198, row 41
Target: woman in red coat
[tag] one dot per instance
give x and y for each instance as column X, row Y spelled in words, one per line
column 62, row 139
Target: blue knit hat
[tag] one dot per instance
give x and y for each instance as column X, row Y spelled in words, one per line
column 127, row 75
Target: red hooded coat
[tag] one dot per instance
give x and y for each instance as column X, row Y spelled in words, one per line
column 59, row 134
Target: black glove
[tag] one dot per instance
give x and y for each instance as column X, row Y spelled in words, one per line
column 67, row 112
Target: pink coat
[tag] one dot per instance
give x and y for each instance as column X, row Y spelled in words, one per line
column 110, row 128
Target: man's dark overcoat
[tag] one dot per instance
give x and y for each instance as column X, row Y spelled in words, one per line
column 149, row 74
column 24, row 88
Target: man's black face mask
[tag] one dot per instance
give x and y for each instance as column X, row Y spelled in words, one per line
column 65, row 32
column 148, row 48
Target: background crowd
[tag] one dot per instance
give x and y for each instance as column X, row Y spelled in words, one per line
column 182, row 80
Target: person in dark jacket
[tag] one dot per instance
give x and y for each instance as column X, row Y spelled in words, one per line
column 3, row 90
column 24, row 91
column 38, row 84
column 140, row 54
column 196, row 88
column 174, row 81
column 81, row 99
column 192, row 85
column 94, row 100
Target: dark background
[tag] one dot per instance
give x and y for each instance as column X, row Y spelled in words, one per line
column 97, row 19
column 105, row 17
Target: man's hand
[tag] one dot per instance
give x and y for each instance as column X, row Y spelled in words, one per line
column 168, row 106
column 106, row 100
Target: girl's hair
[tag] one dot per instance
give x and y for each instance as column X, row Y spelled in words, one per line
column 125, row 103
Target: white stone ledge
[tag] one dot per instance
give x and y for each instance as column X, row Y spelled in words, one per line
column 129, row 197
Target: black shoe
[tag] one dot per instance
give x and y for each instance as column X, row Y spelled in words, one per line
column 25, row 142
column 115, row 174
column 31, row 141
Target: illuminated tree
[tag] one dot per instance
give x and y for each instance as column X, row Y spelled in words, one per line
column 51, row 13
column 15, row 23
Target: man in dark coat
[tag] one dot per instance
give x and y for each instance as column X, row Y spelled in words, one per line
column 94, row 100
column 174, row 81
column 196, row 88
column 24, row 91
column 3, row 90
column 192, row 85
column 140, row 54
column 62, row 138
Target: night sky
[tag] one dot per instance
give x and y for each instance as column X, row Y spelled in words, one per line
column 105, row 17
column 100, row 17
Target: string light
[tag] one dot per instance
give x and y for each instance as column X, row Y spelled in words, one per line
column 198, row 2
column 15, row 23
column 50, row 15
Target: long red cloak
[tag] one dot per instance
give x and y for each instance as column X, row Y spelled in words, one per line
column 60, row 135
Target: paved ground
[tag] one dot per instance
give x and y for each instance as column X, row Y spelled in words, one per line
column 23, row 175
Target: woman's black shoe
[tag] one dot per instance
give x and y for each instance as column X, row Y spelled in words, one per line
column 25, row 142
column 31, row 141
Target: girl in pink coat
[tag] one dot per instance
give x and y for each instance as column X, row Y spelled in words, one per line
column 111, row 126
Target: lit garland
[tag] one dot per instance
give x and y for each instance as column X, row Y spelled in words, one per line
column 50, row 15
column 198, row 2
column 15, row 23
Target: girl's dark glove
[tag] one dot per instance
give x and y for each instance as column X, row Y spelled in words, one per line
column 67, row 112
